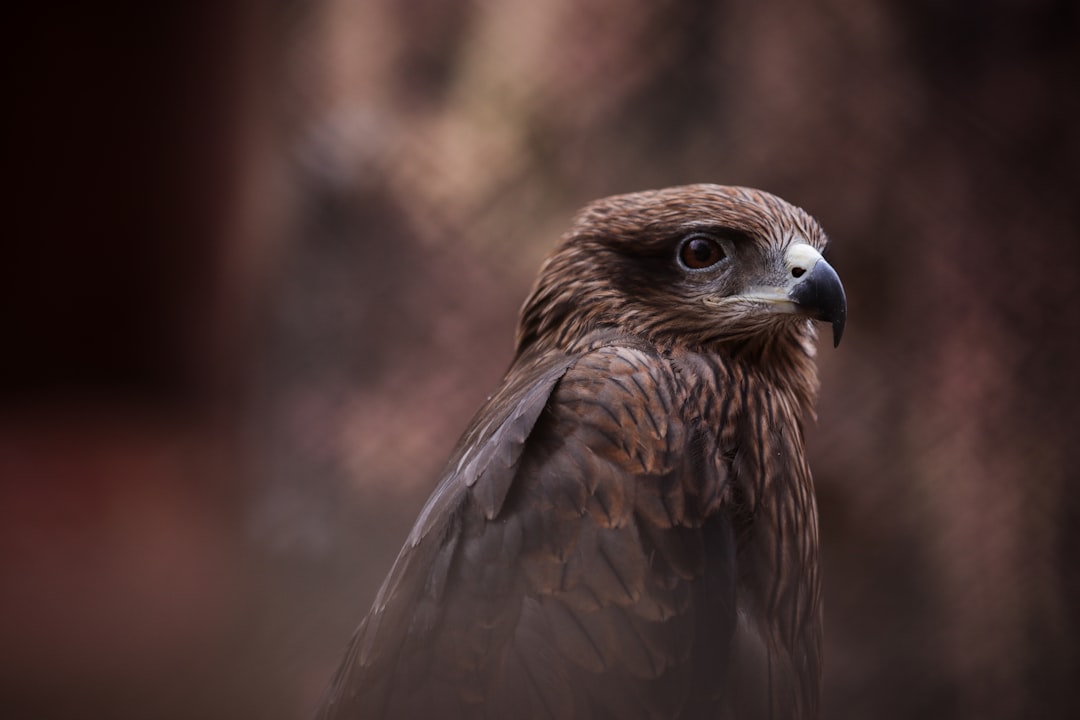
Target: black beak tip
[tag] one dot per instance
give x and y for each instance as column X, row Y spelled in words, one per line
column 838, row 328
column 821, row 296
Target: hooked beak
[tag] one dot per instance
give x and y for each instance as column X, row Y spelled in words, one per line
column 815, row 288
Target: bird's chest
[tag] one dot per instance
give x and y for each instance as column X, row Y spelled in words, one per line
column 769, row 502
column 776, row 532
column 768, row 498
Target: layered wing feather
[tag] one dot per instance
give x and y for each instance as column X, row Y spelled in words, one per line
column 568, row 565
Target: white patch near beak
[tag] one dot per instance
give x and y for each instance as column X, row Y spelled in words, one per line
column 800, row 259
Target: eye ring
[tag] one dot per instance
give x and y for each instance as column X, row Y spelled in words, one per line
column 700, row 252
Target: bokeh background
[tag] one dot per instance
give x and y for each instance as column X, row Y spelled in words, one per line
column 263, row 260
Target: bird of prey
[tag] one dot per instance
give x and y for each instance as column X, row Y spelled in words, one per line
column 628, row 528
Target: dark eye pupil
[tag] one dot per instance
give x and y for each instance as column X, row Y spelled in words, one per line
column 701, row 252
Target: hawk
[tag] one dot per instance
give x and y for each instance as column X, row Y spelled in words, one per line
column 628, row 528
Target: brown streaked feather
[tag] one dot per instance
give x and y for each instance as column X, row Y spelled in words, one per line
column 627, row 529
column 623, row 601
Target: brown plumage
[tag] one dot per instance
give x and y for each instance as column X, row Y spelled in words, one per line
column 628, row 528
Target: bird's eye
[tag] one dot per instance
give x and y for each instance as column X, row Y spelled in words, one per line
column 698, row 252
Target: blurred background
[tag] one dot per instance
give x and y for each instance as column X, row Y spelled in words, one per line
column 263, row 261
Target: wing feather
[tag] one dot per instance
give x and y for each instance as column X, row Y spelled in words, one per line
column 555, row 570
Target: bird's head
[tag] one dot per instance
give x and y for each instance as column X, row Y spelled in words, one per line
column 702, row 265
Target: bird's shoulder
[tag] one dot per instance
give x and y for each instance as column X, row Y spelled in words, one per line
column 617, row 397
column 589, row 567
column 568, row 524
